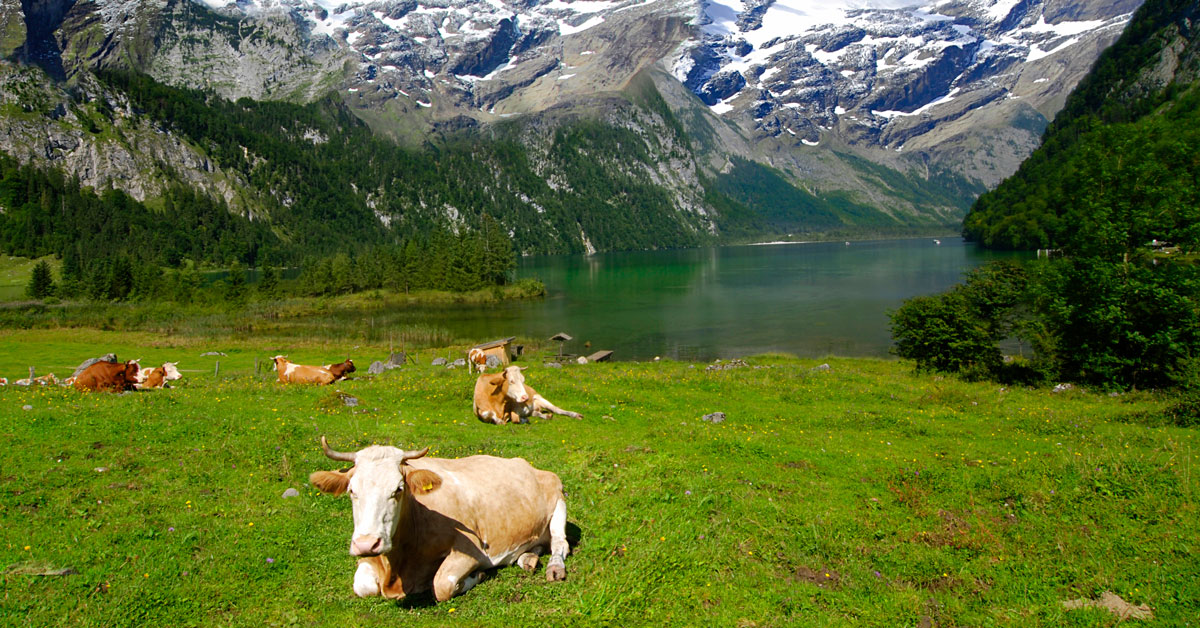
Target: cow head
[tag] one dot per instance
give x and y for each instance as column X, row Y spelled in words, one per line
column 514, row 383
column 132, row 369
column 349, row 365
column 279, row 361
column 170, row 373
column 379, row 483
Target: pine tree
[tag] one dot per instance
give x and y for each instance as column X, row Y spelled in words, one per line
column 268, row 284
column 235, row 285
column 41, row 284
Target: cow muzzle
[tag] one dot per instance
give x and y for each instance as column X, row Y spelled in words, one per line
column 366, row 545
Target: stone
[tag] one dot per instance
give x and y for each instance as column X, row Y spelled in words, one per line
column 349, row 400
column 553, row 365
column 291, row 492
column 109, row 357
column 438, row 361
column 581, row 360
column 823, row 367
column 492, row 361
column 460, row 362
column 376, row 368
column 210, row 353
column 1062, row 388
column 27, row 407
column 397, row 359
column 714, row 418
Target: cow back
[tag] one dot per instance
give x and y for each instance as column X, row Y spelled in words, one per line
column 107, row 376
column 502, row 501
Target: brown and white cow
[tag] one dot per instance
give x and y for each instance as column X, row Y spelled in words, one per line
column 341, row 369
column 108, row 377
column 476, row 360
column 158, row 377
column 291, row 373
column 434, row 523
column 503, row 397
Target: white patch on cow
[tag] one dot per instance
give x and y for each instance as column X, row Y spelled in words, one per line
column 516, row 385
column 289, row 368
column 365, row 582
column 374, row 494
column 558, row 534
column 469, row 582
column 510, row 555
column 172, row 373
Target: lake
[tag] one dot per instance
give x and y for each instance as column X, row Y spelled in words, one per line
column 810, row 299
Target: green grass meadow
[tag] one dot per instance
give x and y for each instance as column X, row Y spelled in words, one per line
column 15, row 273
column 858, row 495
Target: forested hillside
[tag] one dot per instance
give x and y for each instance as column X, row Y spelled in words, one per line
column 1118, row 167
column 1114, row 190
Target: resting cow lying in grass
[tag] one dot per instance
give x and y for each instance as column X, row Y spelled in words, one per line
column 503, row 397
column 434, row 523
column 291, row 373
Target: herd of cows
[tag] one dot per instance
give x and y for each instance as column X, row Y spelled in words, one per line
column 434, row 524
column 420, row 523
column 100, row 375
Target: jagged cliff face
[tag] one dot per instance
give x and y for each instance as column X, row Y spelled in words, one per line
column 955, row 88
column 97, row 137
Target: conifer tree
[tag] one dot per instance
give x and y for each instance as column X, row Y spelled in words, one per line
column 41, row 284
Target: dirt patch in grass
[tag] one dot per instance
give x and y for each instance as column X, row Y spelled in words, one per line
column 824, row 578
column 1114, row 604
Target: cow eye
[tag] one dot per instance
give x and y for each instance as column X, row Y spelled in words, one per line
column 399, row 491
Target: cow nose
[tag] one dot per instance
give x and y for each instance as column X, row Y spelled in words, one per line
column 366, row 545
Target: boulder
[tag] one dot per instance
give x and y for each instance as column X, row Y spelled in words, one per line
column 110, row 357
column 460, row 362
column 291, row 492
column 714, row 418
column 438, row 361
column 493, row 361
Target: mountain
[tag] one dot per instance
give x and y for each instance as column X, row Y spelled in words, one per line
column 868, row 116
column 1117, row 169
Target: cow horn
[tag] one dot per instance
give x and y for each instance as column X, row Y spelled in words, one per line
column 413, row 454
column 336, row 455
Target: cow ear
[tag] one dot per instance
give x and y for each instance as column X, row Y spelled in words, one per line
column 331, row 482
column 422, row 481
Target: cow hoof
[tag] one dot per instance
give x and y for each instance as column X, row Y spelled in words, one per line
column 556, row 573
column 528, row 561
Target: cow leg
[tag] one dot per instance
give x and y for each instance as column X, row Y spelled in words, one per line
column 540, row 403
column 490, row 416
column 556, row 569
column 529, row 560
column 457, row 574
column 366, row 583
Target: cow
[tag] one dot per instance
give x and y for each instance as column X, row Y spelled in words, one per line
column 292, row 373
column 436, row 523
column 477, row 360
column 503, row 397
column 108, row 377
column 158, row 377
column 341, row 369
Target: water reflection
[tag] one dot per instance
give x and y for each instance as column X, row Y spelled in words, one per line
column 700, row 304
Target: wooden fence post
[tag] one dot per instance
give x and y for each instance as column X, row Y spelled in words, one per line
column 217, row 369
